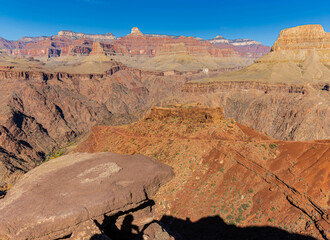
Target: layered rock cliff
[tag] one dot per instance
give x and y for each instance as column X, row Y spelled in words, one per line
column 296, row 44
column 134, row 44
column 108, row 37
column 138, row 44
column 285, row 93
column 245, row 47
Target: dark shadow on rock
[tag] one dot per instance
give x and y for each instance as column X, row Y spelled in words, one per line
column 100, row 237
column 3, row 190
column 127, row 230
column 214, row 228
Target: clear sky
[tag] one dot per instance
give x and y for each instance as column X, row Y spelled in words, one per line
column 257, row 20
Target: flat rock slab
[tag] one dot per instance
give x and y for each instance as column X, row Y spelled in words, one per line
column 65, row 192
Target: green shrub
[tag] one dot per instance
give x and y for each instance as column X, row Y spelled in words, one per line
column 272, row 145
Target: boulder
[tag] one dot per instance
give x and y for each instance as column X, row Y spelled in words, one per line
column 71, row 195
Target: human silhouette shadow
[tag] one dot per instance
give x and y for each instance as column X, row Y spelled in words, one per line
column 127, row 230
column 214, row 228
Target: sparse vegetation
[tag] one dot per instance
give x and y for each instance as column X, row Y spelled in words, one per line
column 273, row 146
column 56, row 154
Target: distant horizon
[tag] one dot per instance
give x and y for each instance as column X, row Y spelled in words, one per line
column 260, row 21
column 162, row 34
column 149, row 33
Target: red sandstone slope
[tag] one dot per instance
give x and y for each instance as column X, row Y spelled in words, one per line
column 227, row 170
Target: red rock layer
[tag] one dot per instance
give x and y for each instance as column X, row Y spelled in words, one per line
column 251, row 51
column 150, row 46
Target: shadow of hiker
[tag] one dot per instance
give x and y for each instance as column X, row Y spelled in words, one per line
column 127, row 230
column 214, row 228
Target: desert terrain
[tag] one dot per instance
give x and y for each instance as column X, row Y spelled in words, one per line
column 172, row 137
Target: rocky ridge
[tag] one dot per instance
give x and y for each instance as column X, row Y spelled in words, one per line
column 225, row 162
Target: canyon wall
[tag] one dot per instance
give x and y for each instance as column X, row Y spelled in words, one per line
column 68, row 43
column 283, row 111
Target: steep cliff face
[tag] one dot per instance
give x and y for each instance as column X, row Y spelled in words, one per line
column 283, row 111
column 302, row 37
column 38, row 116
column 296, row 44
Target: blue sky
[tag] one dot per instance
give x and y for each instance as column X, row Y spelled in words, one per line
column 257, row 20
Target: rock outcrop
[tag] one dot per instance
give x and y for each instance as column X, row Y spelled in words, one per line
column 302, row 38
column 296, row 44
column 191, row 112
column 135, row 31
column 80, row 195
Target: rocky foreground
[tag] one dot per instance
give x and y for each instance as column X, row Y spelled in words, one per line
column 85, row 196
